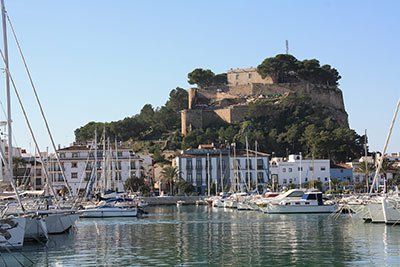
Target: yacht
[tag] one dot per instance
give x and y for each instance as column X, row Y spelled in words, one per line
column 391, row 210
column 311, row 202
column 12, row 232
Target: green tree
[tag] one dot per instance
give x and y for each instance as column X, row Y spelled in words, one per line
column 170, row 174
column 203, row 78
column 279, row 68
column 19, row 168
column 184, row 186
column 220, row 79
column 365, row 168
column 334, row 183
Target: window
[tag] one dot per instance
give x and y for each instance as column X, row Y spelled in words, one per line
column 38, row 172
column 260, row 177
column 99, row 154
column 87, row 177
column 260, row 164
column 341, row 171
column 199, row 178
column 290, row 169
column 319, row 178
column 311, row 168
column 74, row 175
column 284, row 181
column 189, row 164
column 62, row 155
column 91, row 155
column 306, row 179
column 75, row 155
column 189, row 178
column 237, row 76
column 118, row 176
column 198, row 164
column 247, row 176
column 133, row 165
column 322, row 168
column 290, row 181
column 248, row 164
column 38, row 181
column 119, row 154
column 300, row 168
column 119, row 165
column 249, row 75
column 284, row 170
column 74, row 165
column 326, row 179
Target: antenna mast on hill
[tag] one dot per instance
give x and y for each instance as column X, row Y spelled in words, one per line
column 287, row 47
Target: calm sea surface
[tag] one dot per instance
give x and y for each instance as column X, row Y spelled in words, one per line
column 193, row 236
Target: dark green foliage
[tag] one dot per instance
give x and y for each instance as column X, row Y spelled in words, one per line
column 204, row 78
column 286, row 68
column 135, row 184
column 184, row 187
column 150, row 124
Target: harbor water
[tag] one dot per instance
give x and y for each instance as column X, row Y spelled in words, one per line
column 204, row 236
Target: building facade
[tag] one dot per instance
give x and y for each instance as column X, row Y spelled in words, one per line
column 296, row 170
column 197, row 165
column 80, row 165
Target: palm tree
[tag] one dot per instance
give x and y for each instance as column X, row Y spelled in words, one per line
column 170, row 174
column 366, row 169
column 335, row 183
column 19, row 166
column 387, row 166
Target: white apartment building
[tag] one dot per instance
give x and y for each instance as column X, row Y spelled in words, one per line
column 197, row 164
column 78, row 162
column 296, row 170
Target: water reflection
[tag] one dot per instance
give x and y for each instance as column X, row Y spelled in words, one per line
column 196, row 236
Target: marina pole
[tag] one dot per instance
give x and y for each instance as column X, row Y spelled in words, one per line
column 222, row 172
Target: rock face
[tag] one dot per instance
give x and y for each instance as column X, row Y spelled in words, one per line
column 229, row 103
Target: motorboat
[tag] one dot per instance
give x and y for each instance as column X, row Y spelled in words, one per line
column 311, row 202
column 391, row 210
column 108, row 211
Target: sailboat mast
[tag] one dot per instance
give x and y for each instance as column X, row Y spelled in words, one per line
column 366, row 161
column 248, row 165
column 10, row 154
column 255, row 162
column 222, row 172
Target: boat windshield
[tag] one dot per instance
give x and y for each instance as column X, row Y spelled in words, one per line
column 296, row 194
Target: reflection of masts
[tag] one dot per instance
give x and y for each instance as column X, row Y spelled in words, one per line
column 208, row 174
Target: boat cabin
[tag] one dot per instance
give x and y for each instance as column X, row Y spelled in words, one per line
column 314, row 196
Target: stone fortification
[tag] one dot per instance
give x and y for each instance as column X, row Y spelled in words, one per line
column 229, row 103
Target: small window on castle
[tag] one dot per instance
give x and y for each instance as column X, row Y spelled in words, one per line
column 237, row 76
column 249, row 75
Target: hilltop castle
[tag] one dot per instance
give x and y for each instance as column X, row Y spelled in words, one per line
column 229, row 102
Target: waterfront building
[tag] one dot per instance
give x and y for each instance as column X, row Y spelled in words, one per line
column 343, row 172
column 78, row 162
column 197, row 165
column 295, row 170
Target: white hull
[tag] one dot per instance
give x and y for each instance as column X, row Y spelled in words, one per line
column 58, row 223
column 391, row 211
column 282, row 209
column 376, row 212
column 361, row 210
column 243, row 206
column 12, row 232
column 108, row 213
column 35, row 228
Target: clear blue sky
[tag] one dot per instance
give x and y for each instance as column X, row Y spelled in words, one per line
column 98, row 60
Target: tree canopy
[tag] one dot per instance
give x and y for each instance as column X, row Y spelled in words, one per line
column 205, row 78
column 286, row 68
